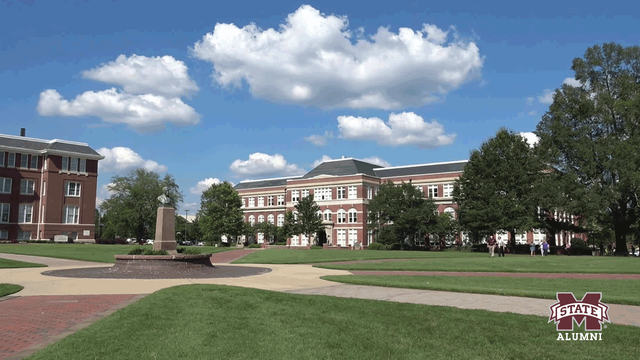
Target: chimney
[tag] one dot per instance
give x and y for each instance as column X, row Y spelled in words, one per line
column 23, row 132
column 344, row 157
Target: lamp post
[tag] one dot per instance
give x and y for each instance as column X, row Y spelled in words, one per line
column 186, row 217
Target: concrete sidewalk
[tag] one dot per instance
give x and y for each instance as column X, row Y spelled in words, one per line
column 49, row 261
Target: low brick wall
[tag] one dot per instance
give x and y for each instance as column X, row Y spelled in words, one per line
column 161, row 263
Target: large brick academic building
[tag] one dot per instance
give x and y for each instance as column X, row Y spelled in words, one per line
column 343, row 187
column 47, row 188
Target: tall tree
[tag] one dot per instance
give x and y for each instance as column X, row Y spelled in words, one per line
column 590, row 136
column 446, row 228
column 308, row 221
column 133, row 205
column 289, row 228
column 496, row 189
column 221, row 212
column 401, row 211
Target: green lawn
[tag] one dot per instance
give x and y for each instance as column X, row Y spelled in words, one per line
column 220, row 322
column 287, row 256
column 86, row 252
column 613, row 291
column 513, row 263
column 8, row 289
column 12, row 264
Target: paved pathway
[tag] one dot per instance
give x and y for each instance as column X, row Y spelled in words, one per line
column 619, row 314
column 229, row 256
column 49, row 261
column 28, row 324
column 503, row 274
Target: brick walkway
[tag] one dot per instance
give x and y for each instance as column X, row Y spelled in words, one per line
column 504, row 274
column 229, row 256
column 619, row 314
column 30, row 323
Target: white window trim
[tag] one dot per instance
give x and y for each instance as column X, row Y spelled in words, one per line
column 252, row 202
column 2, row 207
column 4, row 234
column 260, row 201
column 76, row 214
column 27, row 188
column 349, row 215
column 11, row 164
column 22, row 158
column 22, row 213
column 295, row 195
column 67, row 187
column 435, row 187
column 62, row 165
column 22, row 237
column 447, row 190
column 341, row 193
column 82, row 166
column 4, row 180
column 342, row 217
column 2, row 158
column 280, row 200
column 33, row 157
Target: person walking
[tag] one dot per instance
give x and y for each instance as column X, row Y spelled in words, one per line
column 544, row 248
column 568, row 247
column 532, row 247
column 501, row 245
column 492, row 245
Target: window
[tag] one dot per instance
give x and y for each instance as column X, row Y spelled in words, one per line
column 260, row 219
column 1, row 158
column 294, row 240
column 5, row 185
column 321, row 194
column 244, row 200
column 260, row 201
column 72, row 189
column 34, row 161
column 11, row 161
column 280, row 219
column 341, row 193
column 270, row 219
column 24, row 161
column 353, row 192
column 539, row 236
column 433, row 191
column 304, row 240
column 369, row 192
column 24, row 235
column 24, row 213
column 270, row 200
column 260, row 238
column 83, row 165
column 280, row 200
column 419, row 187
column 342, row 241
column 71, row 215
column 4, row 213
column 27, row 187
column 319, row 214
column 65, row 163
column 305, row 193
column 327, row 215
column 353, row 216
column 353, row 236
column 4, row 234
column 342, row 216
column 295, row 195
column 451, row 211
column 42, row 214
column 252, row 219
column 447, row 190
column 252, row 202
column 74, row 164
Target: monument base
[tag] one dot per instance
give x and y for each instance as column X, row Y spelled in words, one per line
column 165, row 230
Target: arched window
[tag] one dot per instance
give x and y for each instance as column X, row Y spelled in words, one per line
column 270, row 218
column 327, row 215
column 342, row 216
column 353, row 216
column 319, row 213
column 451, row 211
column 280, row 219
column 260, row 219
column 252, row 219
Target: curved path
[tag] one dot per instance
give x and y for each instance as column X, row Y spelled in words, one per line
column 501, row 274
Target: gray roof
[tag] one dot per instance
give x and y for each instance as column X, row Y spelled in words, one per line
column 342, row 167
column 261, row 183
column 421, row 169
column 46, row 146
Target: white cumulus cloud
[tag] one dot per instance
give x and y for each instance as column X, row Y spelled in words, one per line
column 405, row 128
column 371, row 159
column 530, row 137
column 160, row 75
column 122, row 159
column 265, row 164
column 204, row 185
column 319, row 140
column 571, row 81
column 143, row 113
column 546, row 97
column 312, row 59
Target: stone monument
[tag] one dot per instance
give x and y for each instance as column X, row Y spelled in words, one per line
column 165, row 225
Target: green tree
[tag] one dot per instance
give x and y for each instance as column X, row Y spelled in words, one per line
column 133, row 205
column 590, row 137
column 180, row 227
column 308, row 221
column 221, row 213
column 446, row 228
column 269, row 230
column 496, row 189
column 289, row 227
column 401, row 213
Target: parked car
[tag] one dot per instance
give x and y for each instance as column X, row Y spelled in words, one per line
column 200, row 243
column 149, row 242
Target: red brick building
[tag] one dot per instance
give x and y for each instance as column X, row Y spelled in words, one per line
column 47, row 188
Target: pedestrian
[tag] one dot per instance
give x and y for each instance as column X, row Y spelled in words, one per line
column 501, row 245
column 601, row 249
column 532, row 247
column 544, row 248
column 568, row 248
column 492, row 245
column 610, row 249
column 633, row 250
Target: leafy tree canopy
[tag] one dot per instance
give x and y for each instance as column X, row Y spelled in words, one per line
column 308, row 222
column 221, row 212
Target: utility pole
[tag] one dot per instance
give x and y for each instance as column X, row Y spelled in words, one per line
column 186, row 225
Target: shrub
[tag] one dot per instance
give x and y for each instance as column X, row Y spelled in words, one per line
column 142, row 251
column 189, row 251
column 280, row 243
column 315, row 247
column 137, row 251
column 395, row 246
column 376, row 246
column 111, row 241
column 254, row 246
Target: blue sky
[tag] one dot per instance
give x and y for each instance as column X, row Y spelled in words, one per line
column 233, row 102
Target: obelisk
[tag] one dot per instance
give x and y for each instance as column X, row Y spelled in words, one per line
column 165, row 225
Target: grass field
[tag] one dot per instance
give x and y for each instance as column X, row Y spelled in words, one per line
column 287, row 256
column 13, row 264
column 86, row 252
column 8, row 289
column 219, row 322
column 613, row 291
column 513, row 263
